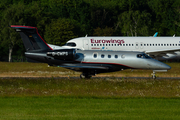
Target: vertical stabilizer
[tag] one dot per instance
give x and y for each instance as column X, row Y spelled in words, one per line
column 31, row 38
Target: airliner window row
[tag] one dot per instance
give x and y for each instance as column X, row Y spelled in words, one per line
column 159, row 45
column 136, row 44
column 112, row 44
column 123, row 56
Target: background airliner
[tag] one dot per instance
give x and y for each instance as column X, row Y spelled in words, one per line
column 89, row 62
column 160, row 48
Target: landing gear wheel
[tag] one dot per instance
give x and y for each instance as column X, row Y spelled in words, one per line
column 88, row 76
column 153, row 75
column 82, row 76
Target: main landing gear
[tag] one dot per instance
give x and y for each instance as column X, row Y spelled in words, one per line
column 83, row 76
column 87, row 74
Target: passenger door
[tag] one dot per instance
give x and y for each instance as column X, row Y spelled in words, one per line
column 86, row 44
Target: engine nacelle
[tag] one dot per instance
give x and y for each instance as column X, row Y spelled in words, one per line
column 64, row 54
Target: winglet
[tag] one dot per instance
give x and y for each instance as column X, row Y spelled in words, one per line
column 155, row 35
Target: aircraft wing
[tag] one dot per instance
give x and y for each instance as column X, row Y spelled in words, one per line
column 162, row 52
column 80, row 67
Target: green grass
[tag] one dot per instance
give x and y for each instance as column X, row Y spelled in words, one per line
column 55, row 99
column 109, row 98
column 104, row 88
column 57, row 108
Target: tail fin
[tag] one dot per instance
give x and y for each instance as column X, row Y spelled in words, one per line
column 31, row 38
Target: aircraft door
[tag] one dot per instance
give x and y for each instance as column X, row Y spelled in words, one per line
column 86, row 44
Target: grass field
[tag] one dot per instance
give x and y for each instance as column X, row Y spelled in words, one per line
column 66, row 98
column 51, row 98
column 58, row 108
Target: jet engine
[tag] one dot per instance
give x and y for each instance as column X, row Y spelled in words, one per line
column 64, row 54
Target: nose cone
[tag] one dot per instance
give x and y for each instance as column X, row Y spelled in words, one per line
column 164, row 66
column 157, row 65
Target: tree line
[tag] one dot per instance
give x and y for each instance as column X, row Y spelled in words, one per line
column 61, row 20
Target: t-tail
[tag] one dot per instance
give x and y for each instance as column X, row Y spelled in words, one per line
column 31, row 39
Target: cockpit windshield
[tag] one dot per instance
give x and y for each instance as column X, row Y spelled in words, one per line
column 143, row 56
column 70, row 44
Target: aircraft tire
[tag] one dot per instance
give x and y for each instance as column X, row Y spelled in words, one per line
column 82, row 76
column 153, row 77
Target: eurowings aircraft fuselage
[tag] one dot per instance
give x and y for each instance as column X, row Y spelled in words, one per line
column 161, row 48
column 89, row 62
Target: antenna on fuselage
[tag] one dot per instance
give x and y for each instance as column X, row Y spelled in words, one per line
column 174, row 35
column 86, row 35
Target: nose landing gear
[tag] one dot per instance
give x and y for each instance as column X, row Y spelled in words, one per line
column 153, row 75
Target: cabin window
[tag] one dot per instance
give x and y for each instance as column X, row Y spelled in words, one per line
column 143, row 56
column 116, row 56
column 126, row 44
column 109, row 44
column 139, row 56
column 164, row 44
column 109, row 56
column 100, row 44
column 161, row 44
column 144, row 44
column 95, row 55
column 97, row 44
column 132, row 44
column 117, row 44
column 94, row 44
column 103, row 44
column 123, row 44
column 129, row 44
column 146, row 56
column 91, row 44
column 71, row 44
column 102, row 56
column 122, row 56
column 147, row 44
column 112, row 44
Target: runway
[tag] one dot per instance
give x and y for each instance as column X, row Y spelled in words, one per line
column 105, row 78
